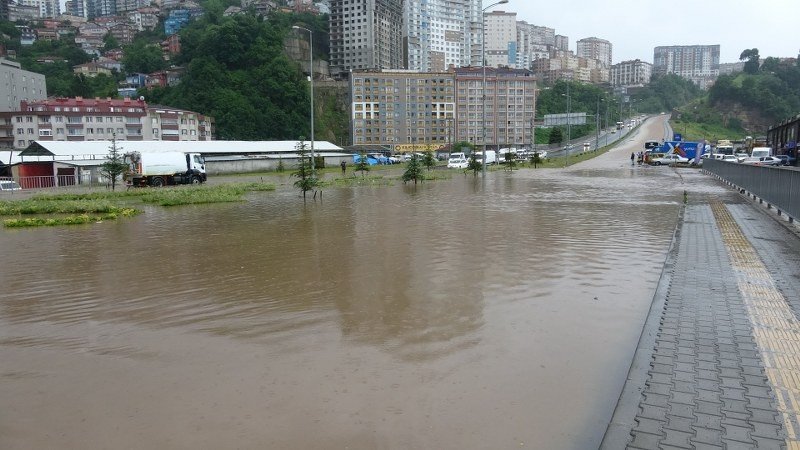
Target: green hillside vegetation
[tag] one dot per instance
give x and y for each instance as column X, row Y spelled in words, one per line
column 743, row 104
column 664, row 93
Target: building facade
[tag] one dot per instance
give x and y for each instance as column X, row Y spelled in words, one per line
column 17, row 85
column 505, row 117
column 698, row 63
column 437, row 33
column 631, row 73
column 78, row 119
column 402, row 109
column 595, row 48
column 422, row 111
column 501, row 39
column 366, row 34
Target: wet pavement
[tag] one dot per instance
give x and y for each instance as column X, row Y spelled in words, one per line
column 461, row 314
column 718, row 364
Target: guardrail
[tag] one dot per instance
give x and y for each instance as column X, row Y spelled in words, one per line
column 778, row 187
column 58, row 181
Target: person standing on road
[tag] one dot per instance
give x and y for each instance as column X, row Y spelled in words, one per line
column 344, row 167
column 633, row 157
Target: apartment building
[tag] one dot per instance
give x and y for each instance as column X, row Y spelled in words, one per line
column 504, row 116
column 366, row 35
column 400, row 107
column 437, row 33
column 631, row 73
column 698, row 63
column 501, row 39
column 17, row 85
column 409, row 110
column 533, row 42
column 595, row 48
column 79, row 119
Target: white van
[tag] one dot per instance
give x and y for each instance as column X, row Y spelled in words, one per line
column 491, row 157
column 759, row 152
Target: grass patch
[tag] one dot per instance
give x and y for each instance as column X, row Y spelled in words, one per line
column 100, row 206
column 696, row 131
column 372, row 180
column 68, row 220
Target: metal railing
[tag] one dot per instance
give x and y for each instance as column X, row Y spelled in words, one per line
column 778, row 187
column 57, row 181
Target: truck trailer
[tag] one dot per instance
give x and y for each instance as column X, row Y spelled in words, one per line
column 164, row 169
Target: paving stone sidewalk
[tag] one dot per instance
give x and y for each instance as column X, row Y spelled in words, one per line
column 718, row 363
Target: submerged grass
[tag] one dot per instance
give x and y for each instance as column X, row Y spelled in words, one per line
column 112, row 205
column 68, row 220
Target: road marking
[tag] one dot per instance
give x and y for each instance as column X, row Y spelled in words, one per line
column 775, row 328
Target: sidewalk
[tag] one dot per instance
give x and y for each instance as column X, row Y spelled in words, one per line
column 718, row 362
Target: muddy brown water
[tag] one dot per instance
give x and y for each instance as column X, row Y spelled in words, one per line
column 454, row 314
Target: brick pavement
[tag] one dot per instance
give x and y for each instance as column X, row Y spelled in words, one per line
column 718, row 363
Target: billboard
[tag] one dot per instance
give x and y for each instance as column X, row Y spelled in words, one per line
column 556, row 120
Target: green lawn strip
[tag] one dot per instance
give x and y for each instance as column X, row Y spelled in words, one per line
column 68, row 220
column 99, row 206
column 47, row 206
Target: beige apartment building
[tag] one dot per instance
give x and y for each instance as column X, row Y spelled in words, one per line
column 79, row 119
column 505, row 116
column 411, row 111
column 402, row 110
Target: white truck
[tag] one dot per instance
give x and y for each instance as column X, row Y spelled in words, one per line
column 491, row 157
column 760, row 152
column 164, row 169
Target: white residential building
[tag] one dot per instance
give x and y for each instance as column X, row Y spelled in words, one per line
column 437, row 33
column 595, row 48
column 501, row 39
column 631, row 73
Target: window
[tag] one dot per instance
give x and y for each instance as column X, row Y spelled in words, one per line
column 19, row 119
column 20, row 131
column 21, row 143
column 45, row 132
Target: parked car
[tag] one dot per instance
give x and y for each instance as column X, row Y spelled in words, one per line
column 762, row 161
column 457, row 163
column 672, row 158
column 787, row 160
column 730, row 158
column 7, row 184
column 741, row 156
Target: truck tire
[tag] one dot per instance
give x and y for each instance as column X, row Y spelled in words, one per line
column 157, row 182
column 196, row 179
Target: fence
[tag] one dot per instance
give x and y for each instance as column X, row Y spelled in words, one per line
column 57, row 181
column 778, row 187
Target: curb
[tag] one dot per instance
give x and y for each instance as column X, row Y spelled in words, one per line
column 618, row 432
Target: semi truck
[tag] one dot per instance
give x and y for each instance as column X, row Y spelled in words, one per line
column 164, row 169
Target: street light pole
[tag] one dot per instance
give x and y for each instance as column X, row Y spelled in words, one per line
column 569, row 131
column 311, row 81
column 597, row 125
column 483, row 85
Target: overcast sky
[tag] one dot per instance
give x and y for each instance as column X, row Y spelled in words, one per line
column 635, row 27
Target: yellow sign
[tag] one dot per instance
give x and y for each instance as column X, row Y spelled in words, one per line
column 401, row 148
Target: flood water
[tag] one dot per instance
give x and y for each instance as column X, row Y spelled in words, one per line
column 457, row 314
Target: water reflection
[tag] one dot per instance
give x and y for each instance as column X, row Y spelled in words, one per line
column 451, row 314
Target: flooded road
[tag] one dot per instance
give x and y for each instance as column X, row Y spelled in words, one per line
column 463, row 314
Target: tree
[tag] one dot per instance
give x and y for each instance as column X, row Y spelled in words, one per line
column 751, row 65
column 511, row 161
column 556, row 136
column 363, row 164
column 429, row 161
column 536, row 159
column 143, row 57
column 307, row 181
column 115, row 166
column 413, row 170
column 474, row 165
column 110, row 42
